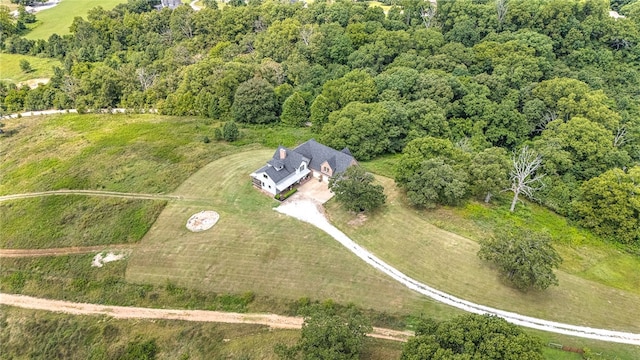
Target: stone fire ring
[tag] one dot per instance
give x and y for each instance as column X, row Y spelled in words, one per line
column 204, row 220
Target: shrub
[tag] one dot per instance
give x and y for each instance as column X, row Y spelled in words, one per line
column 284, row 196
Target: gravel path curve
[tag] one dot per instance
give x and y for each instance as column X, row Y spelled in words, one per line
column 308, row 211
column 126, row 312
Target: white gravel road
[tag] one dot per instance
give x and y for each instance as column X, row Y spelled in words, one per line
column 308, row 211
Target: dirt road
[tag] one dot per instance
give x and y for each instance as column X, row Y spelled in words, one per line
column 15, row 253
column 125, row 312
column 91, row 193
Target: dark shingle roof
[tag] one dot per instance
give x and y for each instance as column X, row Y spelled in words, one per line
column 318, row 153
column 281, row 168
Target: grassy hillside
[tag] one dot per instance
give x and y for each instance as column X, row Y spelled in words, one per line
column 10, row 68
column 253, row 249
column 62, row 221
column 401, row 235
column 58, row 19
column 127, row 153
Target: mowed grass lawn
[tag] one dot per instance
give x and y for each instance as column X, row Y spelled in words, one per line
column 63, row 221
column 400, row 235
column 58, row 19
column 253, row 248
column 10, row 67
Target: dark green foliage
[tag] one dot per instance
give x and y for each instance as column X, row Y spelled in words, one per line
column 355, row 190
column 255, row 102
column 437, row 183
column 286, row 195
column 610, row 205
column 230, row 131
column 25, row 66
column 489, row 172
column 525, row 258
column 328, row 335
column 471, row 337
column 294, row 111
column 140, row 350
column 361, row 128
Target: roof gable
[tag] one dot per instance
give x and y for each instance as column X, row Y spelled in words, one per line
column 318, row 153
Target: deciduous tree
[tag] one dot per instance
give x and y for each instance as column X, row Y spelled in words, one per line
column 355, row 189
column 525, row 258
column 327, row 335
column 437, row 182
column 294, row 111
column 489, row 172
column 255, row 102
column 471, row 337
column 610, row 205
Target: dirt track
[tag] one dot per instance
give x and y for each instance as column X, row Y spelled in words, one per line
column 125, row 312
column 14, row 253
column 91, row 193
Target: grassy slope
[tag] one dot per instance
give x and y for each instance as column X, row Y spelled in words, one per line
column 79, row 142
column 401, row 236
column 137, row 153
column 10, row 67
column 253, row 248
column 61, row 221
column 58, row 19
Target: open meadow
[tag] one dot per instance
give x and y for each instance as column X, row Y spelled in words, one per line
column 10, row 68
column 255, row 259
column 58, row 19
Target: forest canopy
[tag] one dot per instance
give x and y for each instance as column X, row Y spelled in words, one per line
column 457, row 87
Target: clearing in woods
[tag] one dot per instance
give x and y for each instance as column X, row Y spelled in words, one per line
column 253, row 248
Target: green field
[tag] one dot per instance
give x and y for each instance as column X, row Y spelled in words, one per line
column 10, row 68
column 255, row 249
column 401, row 236
column 63, row 221
column 58, row 19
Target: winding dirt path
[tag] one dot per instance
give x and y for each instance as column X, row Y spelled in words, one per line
column 125, row 312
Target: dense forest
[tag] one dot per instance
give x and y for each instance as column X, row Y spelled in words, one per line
column 463, row 89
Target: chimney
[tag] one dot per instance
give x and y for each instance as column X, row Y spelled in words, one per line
column 283, row 153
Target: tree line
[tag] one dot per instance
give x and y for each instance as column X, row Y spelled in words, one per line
column 460, row 89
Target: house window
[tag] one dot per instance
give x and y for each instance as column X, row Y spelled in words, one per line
column 325, row 169
column 265, row 176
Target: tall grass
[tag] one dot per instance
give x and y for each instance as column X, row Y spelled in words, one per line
column 62, row 221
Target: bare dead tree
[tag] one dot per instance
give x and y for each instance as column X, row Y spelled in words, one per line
column 524, row 179
column 621, row 136
column 548, row 117
column 146, row 78
column 305, row 34
column 501, row 9
column 428, row 15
